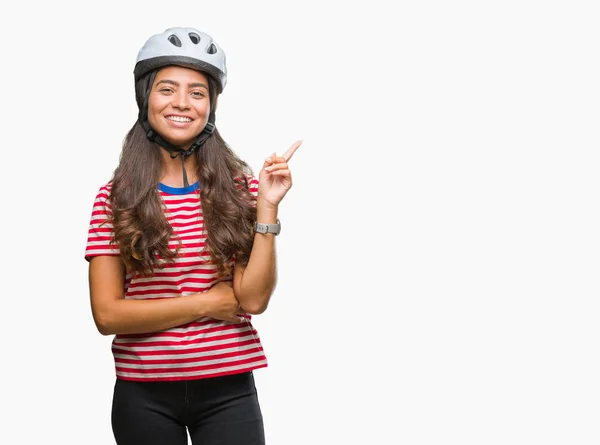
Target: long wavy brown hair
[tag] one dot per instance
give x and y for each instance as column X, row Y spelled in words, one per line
column 141, row 230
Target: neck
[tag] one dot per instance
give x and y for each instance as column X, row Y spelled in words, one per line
column 172, row 171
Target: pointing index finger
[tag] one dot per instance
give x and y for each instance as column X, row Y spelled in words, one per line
column 290, row 151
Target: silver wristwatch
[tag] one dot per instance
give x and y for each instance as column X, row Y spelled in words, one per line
column 268, row 228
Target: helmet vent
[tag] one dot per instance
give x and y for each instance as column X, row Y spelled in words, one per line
column 212, row 49
column 175, row 40
column 195, row 38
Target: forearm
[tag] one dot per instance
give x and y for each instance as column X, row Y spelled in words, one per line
column 256, row 282
column 141, row 316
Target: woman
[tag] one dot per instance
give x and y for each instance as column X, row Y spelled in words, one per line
column 181, row 252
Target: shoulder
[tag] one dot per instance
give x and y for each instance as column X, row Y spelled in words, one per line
column 105, row 189
column 103, row 194
column 252, row 182
column 246, row 180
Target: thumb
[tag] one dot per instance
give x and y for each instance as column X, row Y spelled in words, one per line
column 269, row 159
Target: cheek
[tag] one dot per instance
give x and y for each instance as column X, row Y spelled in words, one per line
column 151, row 118
column 154, row 108
column 154, row 119
column 203, row 109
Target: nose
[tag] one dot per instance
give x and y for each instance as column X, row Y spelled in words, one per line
column 181, row 101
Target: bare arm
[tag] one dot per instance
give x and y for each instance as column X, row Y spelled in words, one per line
column 115, row 315
column 254, row 284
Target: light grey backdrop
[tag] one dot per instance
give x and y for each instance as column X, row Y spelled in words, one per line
column 439, row 252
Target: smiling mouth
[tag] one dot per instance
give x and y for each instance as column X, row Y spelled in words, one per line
column 179, row 119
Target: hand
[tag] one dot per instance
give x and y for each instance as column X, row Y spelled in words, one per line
column 222, row 303
column 275, row 178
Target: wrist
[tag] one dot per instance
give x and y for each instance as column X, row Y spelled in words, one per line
column 266, row 213
column 198, row 305
column 265, row 228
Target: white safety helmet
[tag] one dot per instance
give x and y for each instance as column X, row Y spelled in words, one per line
column 187, row 47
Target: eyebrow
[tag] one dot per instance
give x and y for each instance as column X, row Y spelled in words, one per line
column 190, row 85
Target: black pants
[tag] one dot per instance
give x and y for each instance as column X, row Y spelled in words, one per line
column 219, row 410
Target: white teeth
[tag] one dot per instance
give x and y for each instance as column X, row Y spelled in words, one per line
column 179, row 119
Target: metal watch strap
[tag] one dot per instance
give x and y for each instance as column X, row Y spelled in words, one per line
column 268, row 228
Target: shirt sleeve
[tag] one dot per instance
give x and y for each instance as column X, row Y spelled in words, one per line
column 253, row 185
column 101, row 229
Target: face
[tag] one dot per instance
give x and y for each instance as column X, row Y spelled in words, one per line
column 179, row 105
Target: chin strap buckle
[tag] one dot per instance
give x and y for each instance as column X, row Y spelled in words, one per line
column 209, row 128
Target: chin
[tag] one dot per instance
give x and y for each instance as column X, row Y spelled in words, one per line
column 178, row 140
column 181, row 143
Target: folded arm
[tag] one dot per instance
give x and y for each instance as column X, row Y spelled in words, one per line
column 113, row 314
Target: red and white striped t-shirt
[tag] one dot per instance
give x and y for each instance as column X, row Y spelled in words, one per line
column 203, row 348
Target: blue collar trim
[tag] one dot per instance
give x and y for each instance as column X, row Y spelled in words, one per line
column 179, row 190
